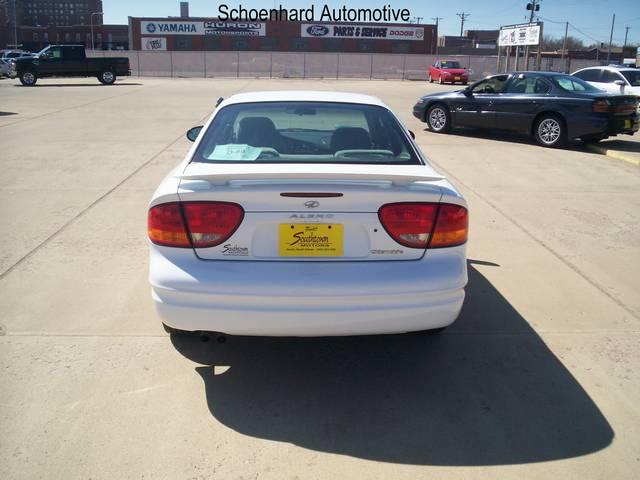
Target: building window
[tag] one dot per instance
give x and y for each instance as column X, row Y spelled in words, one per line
column 400, row 47
column 332, row 45
column 183, row 43
column 67, row 37
column 78, row 37
column 212, row 43
column 365, row 45
column 299, row 44
column 36, row 37
column 240, row 44
column 268, row 43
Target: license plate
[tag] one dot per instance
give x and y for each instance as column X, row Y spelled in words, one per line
column 310, row 240
column 456, row 78
column 627, row 124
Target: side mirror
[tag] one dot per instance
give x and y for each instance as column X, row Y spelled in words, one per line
column 193, row 133
column 620, row 83
column 413, row 135
column 467, row 92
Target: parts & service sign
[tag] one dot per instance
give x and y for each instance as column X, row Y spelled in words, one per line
column 372, row 32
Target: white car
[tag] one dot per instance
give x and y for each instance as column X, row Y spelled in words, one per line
column 616, row 80
column 306, row 214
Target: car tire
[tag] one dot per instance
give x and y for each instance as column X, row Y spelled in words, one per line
column 430, row 79
column 440, row 81
column 107, row 77
column 438, row 119
column 464, row 83
column 28, row 78
column 550, row 131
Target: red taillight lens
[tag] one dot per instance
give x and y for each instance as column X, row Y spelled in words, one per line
column 209, row 223
column 166, row 226
column 409, row 224
column 412, row 224
column 601, row 106
column 452, row 227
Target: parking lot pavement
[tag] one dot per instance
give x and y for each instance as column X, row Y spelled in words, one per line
column 539, row 377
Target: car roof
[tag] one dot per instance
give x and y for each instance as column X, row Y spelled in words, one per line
column 303, row 96
column 610, row 68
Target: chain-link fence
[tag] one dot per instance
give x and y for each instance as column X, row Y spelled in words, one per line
column 314, row 65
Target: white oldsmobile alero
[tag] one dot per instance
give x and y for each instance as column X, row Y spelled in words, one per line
column 306, row 214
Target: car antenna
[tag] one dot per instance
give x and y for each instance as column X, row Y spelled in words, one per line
column 220, row 100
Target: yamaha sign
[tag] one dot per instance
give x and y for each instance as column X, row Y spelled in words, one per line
column 172, row 28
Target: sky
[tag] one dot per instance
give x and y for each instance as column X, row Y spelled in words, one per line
column 590, row 20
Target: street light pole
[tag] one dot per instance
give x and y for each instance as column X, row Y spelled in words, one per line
column 92, row 42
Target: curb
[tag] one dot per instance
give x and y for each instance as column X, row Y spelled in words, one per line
column 614, row 154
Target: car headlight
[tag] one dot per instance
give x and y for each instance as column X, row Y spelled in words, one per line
column 421, row 100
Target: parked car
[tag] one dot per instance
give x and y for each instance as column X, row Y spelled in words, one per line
column 551, row 107
column 448, row 71
column 69, row 61
column 306, row 214
column 621, row 80
column 8, row 54
column 5, row 68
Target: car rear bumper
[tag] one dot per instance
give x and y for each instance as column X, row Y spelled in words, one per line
column 599, row 124
column 308, row 298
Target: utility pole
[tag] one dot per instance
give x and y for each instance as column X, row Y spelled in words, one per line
column 564, row 44
column 613, row 22
column 437, row 19
column 15, row 24
column 463, row 16
column 418, row 19
column 626, row 34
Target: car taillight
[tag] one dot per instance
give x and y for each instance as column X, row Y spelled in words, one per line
column 452, row 226
column 409, row 224
column 165, row 225
column 414, row 224
column 197, row 224
column 211, row 223
column 601, row 106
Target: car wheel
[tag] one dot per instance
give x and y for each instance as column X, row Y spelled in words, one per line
column 438, row 119
column 107, row 77
column 549, row 131
column 430, row 79
column 440, row 81
column 464, row 83
column 28, row 79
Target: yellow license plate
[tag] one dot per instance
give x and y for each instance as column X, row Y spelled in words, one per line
column 310, row 240
column 627, row 124
column 456, row 78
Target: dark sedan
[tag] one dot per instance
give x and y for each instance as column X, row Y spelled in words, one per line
column 551, row 107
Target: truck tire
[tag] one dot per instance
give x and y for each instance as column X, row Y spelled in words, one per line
column 107, row 77
column 28, row 78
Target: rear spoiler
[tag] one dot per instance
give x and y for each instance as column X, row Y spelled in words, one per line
column 220, row 174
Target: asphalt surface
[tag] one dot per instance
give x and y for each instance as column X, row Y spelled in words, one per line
column 538, row 378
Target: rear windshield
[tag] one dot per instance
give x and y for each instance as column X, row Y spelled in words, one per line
column 633, row 77
column 305, row 132
column 574, row 84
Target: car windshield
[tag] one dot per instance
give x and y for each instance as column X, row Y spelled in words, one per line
column 305, row 132
column 574, row 84
column 632, row 76
column 449, row 64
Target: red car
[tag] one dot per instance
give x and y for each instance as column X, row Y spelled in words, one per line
column 448, row 71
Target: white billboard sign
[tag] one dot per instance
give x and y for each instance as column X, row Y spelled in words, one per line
column 517, row 35
column 152, row 43
column 246, row 29
column 171, row 28
column 370, row 32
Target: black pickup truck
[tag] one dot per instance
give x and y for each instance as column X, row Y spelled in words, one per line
column 69, row 61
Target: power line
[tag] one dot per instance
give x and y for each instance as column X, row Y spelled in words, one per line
column 463, row 16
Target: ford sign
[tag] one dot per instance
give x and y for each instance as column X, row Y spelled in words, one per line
column 317, row 30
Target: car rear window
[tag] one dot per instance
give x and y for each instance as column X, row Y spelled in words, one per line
column 305, row 132
column 574, row 84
